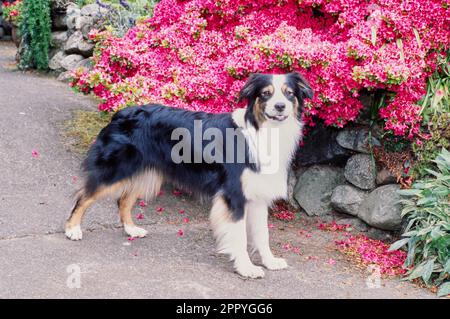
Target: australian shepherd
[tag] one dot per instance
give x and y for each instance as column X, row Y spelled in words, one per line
column 240, row 160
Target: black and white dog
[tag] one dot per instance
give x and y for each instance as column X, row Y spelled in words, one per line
column 243, row 172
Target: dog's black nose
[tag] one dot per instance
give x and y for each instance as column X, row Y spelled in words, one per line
column 280, row 107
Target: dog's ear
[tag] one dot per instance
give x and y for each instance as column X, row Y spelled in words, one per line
column 304, row 90
column 248, row 91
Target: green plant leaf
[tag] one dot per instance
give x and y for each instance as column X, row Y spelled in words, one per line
column 428, row 270
column 398, row 244
column 444, row 289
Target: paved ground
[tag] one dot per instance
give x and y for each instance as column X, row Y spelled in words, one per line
column 35, row 199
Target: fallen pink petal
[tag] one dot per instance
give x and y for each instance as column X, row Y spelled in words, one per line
column 142, row 203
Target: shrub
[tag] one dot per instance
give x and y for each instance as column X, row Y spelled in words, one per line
column 427, row 236
column 436, row 119
column 36, row 34
column 197, row 54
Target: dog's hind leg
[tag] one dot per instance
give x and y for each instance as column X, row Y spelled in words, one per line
column 84, row 201
column 126, row 203
column 145, row 184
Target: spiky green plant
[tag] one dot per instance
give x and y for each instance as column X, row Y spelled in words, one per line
column 427, row 236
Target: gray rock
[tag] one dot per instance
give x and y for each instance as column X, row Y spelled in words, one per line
column 347, row 199
column 379, row 234
column 292, row 181
column 73, row 13
column 73, row 9
column 55, row 62
column 382, row 209
column 356, row 139
column 65, row 77
column 314, row 187
column 356, row 223
column 76, row 44
column 86, row 63
column 59, row 39
column 84, row 22
column 93, row 10
column 385, row 176
column 360, row 170
column 70, row 62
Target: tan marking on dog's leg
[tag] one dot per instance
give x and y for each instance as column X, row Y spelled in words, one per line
column 126, row 203
column 72, row 227
column 231, row 239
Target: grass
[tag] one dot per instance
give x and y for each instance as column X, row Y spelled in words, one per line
column 84, row 127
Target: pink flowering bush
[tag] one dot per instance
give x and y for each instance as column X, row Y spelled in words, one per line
column 197, row 55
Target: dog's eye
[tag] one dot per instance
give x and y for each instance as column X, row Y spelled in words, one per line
column 266, row 93
column 289, row 93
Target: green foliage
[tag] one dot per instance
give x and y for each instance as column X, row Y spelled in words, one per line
column 437, row 99
column 36, row 34
column 123, row 15
column 427, row 235
column 436, row 119
column 438, row 130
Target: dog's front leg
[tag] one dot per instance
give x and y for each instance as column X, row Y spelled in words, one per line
column 258, row 231
column 231, row 236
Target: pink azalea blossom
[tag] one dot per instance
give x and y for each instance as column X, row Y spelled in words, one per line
column 140, row 216
column 35, row 154
column 180, row 233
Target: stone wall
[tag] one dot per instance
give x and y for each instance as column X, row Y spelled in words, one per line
column 71, row 46
column 335, row 177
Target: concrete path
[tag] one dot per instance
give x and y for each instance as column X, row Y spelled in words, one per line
column 35, row 199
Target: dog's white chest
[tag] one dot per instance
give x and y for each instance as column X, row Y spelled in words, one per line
column 272, row 148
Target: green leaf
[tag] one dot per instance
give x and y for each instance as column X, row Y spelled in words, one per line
column 444, row 289
column 428, row 270
column 398, row 244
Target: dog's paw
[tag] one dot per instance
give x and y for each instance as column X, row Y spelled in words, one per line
column 275, row 263
column 134, row 231
column 74, row 233
column 250, row 271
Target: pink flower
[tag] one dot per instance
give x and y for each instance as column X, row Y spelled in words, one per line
column 331, row 262
column 131, row 238
column 177, row 192
column 180, row 233
column 159, row 209
column 35, row 154
column 142, row 203
column 186, row 220
column 271, row 226
column 181, row 211
column 140, row 216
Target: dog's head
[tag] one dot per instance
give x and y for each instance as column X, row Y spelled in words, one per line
column 274, row 97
